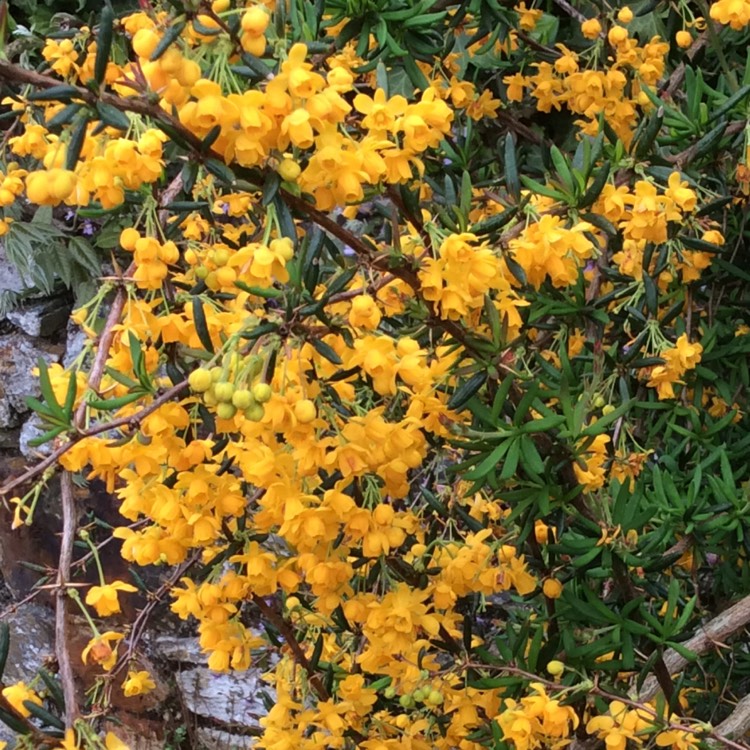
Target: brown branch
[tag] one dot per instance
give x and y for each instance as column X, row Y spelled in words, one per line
column 62, row 633
column 286, row 632
column 682, row 159
column 735, row 725
column 131, row 421
column 139, row 625
column 708, row 636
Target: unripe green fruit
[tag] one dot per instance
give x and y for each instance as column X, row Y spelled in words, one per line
column 200, row 380
column 419, row 694
column 243, row 399
column 216, row 374
column 390, row 692
column 262, row 392
column 224, row 391
column 209, row 399
column 254, row 413
column 435, row 698
column 254, row 365
column 226, row 411
column 406, row 701
column 201, row 272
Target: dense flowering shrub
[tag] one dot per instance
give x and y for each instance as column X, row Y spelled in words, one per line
column 420, row 358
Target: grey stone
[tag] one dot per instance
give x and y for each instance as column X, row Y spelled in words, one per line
column 42, row 317
column 180, row 649
column 31, row 642
column 10, row 277
column 18, row 357
column 76, row 339
column 217, row 739
column 31, row 429
column 231, row 698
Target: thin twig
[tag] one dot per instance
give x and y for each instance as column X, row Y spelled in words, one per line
column 62, row 637
column 285, row 630
column 132, row 421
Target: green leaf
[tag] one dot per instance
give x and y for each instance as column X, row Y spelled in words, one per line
column 47, row 391
column 326, row 351
column 43, row 715
column 75, row 144
column 112, row 117
column 488, row 463
column 601, row 424
column 4, row 645
column 466, row 390
column 512, row 182
column 111, row 404
column 103, row 43
column 61, row 93
column 511, row 461
column 220, row 171
column 201, row 326
column 172, row 34
column 537, row 187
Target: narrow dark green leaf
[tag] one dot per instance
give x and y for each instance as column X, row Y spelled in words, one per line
column 466, row 390
column 595, row 188
column 75, row 144
column 220, row 170
column 201, row 326
column 62, row 93
column 64, row 116
column 112, row 117
column 103, row 43
column 270, row 187
column 512, row 181
column 43, row 715
column 111, row 404
column 326, row 351
column 54, row 689
column 4, row 645
column 170, row 36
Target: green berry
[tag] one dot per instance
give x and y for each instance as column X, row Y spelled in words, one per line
column 200, row 380
column 435, row 698
column 224, row 392
column 226, row 411
column 262, row 392
column 243, row 399
column 254, row 413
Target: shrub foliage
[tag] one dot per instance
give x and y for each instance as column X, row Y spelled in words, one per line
column 418, row 356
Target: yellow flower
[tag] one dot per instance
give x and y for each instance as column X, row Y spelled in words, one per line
column 104, row 598
column 18, row 693
column 591, row 28
column 70, row 742
column 138, row 683
column 101, row 651
column 113, row 742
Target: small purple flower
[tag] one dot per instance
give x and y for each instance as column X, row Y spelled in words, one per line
column 69, row 214
column 447, row 162
column 225, row 208
column 88, row 228
column 348, row 251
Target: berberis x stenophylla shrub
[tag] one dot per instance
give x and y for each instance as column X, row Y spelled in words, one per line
column 422, row 362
